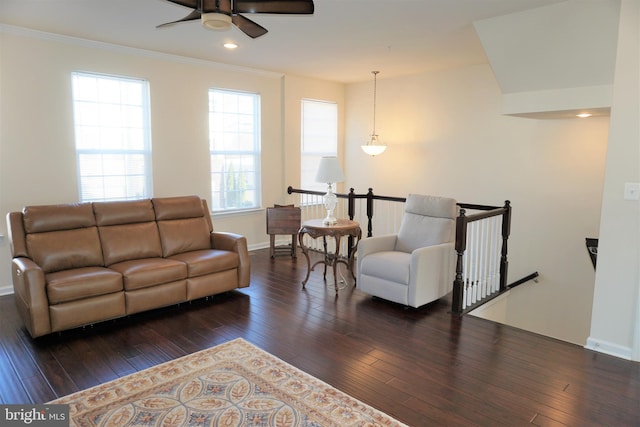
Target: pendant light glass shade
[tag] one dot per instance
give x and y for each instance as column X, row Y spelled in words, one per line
column 374, row 146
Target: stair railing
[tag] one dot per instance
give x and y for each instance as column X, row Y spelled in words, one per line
column 482, row 234
column 482, row 262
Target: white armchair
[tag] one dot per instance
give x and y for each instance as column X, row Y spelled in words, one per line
column 417, row 265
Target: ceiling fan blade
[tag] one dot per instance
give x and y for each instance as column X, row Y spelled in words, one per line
column 302, row 7
column 205, row 6
column 192, row 4
column 190, row 17
column 248, row 27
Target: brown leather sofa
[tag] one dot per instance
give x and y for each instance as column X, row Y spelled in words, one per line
column 79, row 264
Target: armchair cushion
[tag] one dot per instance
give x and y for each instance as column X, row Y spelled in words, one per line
column 388, row 265
column 427, row 220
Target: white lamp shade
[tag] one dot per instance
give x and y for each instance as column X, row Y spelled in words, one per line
column 329, row 170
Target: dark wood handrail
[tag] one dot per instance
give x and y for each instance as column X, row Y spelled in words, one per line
column 370, row 196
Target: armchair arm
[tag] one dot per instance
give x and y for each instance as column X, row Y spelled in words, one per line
column 432, row 273
column 31, row 295
column 234, row 243
column 374, row 244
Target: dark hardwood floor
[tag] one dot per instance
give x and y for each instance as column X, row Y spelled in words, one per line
column 423, row 367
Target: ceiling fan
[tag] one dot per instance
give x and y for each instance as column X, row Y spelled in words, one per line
column 220, row 14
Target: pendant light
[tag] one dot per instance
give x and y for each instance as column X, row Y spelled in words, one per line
column 374, row 147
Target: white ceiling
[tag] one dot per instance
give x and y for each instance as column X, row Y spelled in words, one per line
column 343, row 41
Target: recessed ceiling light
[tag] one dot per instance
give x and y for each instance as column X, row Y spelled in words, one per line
column 230, row 45
column 584, row 115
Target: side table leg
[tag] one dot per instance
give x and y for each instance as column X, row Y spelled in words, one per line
column 306, row 255
column 335, row 263
column 357, row 238
column 326, row 256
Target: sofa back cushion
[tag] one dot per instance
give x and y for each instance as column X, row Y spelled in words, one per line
column 60, row 237
column 125, row 212
column 127, row 230
column 182, row 223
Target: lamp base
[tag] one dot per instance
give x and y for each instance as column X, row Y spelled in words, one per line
column 330, row 201
column 329, row 220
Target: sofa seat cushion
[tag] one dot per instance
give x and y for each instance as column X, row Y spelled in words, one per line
column 80, row 283
column 208, row 261
column 142, row 273
column 387, row 265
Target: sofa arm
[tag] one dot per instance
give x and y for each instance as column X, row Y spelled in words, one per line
column 374, row 244
column 432, row 273
column 31, row 296
column 234, row 243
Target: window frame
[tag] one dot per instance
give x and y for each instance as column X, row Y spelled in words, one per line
column 255, row 153
column 103, row 131
column 316, row 154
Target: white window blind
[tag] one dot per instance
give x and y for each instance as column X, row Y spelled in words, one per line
column 112, row 136
column 319, row 138
column 234, row 145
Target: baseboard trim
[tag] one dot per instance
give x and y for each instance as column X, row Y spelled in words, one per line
column 264, row 245
column 609, row 348
column 257, row 246
column 6, row 290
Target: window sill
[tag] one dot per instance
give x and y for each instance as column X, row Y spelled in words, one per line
column 239, row 212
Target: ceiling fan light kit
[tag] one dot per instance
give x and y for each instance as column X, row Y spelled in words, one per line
column 215, row 21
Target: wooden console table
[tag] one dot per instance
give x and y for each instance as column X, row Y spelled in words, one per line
column 315, row 228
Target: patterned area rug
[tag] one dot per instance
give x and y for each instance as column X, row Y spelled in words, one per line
column 232, row 384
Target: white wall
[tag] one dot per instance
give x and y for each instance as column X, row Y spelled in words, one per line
column 447, row 136
column 615, row 327
column 37, row 157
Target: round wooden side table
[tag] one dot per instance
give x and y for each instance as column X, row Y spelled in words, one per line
column 315, row 228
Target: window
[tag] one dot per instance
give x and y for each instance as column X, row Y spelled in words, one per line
column 113, row 137
column 234, row 145
column 319, row 138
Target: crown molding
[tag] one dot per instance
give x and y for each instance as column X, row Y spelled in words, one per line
column 127, row 50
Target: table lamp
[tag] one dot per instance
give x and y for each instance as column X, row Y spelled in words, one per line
column 330, row 172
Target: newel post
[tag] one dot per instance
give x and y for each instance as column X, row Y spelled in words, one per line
column 506, row 231
column 461, row 246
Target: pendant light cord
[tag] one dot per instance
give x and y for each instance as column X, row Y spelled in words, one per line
column 375, row 81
